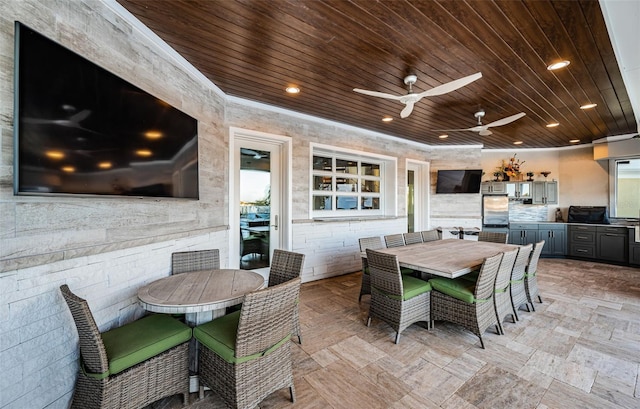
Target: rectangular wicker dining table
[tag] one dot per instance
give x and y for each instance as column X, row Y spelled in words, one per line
column 449, row 258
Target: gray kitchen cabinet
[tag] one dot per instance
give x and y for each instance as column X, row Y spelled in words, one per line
column 581, row 240
column 518, row 190
column 545, row 192
column 612, row 244
column 523, row 233
column 634, row 248
column 489, row 188
column 555, row 237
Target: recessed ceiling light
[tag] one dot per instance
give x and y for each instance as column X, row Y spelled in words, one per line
column 574, row 140
column 387, row 119
column 68, row 169
column 588, row 106
column 517, row 143
column 557, row 65
column 143, row 152
column 54, row 154
column 443, row 136
column 104, row 165
column 292, row 90
column 153, row 134
column 552, row 124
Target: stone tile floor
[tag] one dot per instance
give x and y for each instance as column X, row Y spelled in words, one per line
column 579, row 349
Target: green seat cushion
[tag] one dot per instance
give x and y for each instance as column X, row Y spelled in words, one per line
column 411, row 287
column 219, row 336
column 458, row 288
column 406, row 270
column 140, row 340
column 528, row 275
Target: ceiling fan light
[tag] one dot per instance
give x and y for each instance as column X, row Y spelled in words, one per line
column 292, row 90
column 588, row 106
column 552, row 124
column 558, row 65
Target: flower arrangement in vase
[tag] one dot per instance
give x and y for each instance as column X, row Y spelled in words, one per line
column 511, row 168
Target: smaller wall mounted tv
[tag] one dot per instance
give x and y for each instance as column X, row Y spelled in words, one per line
column 79, row 129
column 459, row 181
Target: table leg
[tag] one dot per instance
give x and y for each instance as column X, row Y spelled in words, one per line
column 194, row 319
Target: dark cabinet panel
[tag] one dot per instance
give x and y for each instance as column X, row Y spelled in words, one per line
column 555, row 240
column 634, row 248
column 522, row 234
column 582, row 241
column 612, row 244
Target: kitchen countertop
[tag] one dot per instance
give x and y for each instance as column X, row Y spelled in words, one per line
column 627, row 224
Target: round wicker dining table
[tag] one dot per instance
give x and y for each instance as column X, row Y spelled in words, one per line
column 200, row 295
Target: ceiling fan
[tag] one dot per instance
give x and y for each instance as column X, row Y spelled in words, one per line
column 72, row 122
column 483, row 130
column 411, row 97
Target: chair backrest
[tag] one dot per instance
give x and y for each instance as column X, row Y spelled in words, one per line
column 493, row 236
column 374, row 243
column 431, row 235
column 186, row 261
column 265, row 317
column 92, row 351
column 487, row 277
column 394, row 240
column 285, row 266
column 412, row 238
column 535, row 256
column 519, row 267
column 385, row 272
column 504, row 271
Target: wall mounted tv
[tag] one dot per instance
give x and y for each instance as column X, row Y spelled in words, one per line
column 459, row 181
column 79, row 129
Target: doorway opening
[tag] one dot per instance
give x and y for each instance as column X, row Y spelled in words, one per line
column 259, row 198
column 418, row 186
column 255, row 208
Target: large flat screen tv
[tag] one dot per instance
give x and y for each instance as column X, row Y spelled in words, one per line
column 459, row 181
column 79, row 129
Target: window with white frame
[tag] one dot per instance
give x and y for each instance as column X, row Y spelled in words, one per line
column 347, row 183
column 627, row 188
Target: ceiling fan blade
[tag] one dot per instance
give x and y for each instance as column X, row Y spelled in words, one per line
column 378, row 94
column 80, row 116
column 406, row 111
column 451, row 86
column 506, row 120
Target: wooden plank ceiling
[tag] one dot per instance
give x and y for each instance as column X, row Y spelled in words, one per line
column 253, row 49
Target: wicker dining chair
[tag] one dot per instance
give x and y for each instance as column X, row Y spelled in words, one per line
column 186, row 261
column 285, row 266
column 398, row 299
column 130, row 366
column 493, row 236
column 412, row 237
column 430, row 235
column 517, row 290
column 374, row 243
column 531, row 275
column 502, row 297
column 394, row 240
column 465, row 302
column 246, row 355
